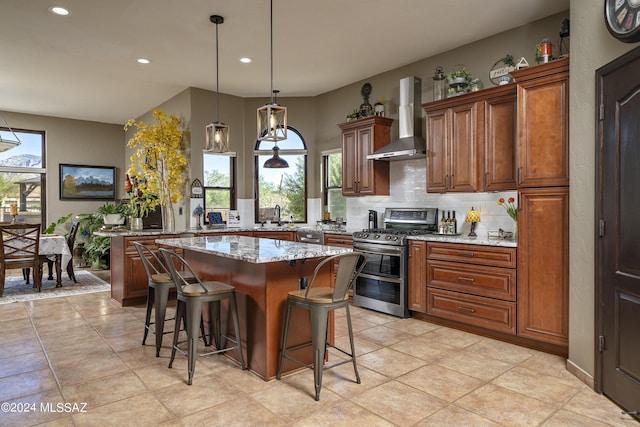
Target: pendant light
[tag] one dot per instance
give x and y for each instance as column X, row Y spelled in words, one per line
column 5, row 143
column 272, row 118
column 217, row 133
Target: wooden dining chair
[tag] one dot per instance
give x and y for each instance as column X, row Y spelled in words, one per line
column 19, row 249
column 71, row 242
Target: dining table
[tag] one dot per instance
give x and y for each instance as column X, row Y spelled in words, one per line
column 56, row 249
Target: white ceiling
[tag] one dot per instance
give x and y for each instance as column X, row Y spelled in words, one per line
column 83, row 66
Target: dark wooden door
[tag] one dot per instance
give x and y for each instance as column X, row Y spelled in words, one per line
column 618, row 231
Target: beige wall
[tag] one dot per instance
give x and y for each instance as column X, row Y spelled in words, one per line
column 592, row 47
column 76, row 142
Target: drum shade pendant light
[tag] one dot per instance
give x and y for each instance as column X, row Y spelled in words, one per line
column 217, row 133
column 272, row 118
column 8, row 143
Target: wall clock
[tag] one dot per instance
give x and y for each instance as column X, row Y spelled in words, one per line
column 623, row 19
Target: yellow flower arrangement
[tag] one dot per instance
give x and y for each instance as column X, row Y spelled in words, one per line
column 510, row 207
column 159, row 157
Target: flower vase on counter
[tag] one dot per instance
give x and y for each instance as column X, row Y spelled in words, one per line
column 168, row 219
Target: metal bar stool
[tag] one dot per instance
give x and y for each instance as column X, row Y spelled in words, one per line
column 320, row 301
column 191, row 297
column 157, row 294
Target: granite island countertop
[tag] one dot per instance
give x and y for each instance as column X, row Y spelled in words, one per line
column 253, row 249
column 216, row 230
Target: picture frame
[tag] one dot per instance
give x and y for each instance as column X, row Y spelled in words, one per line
column 87, row 182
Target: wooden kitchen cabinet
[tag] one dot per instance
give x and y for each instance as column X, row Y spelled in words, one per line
column 360, row 176
column 472, row 284
column 471, row 142
column 543, row 264
column 543, row 124
column 417, row 276
column 289, row 236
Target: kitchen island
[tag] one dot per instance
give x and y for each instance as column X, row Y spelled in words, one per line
column 263, row 271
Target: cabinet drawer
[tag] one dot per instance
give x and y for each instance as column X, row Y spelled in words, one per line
column 495, row 256
column 473, row 310
column 478, row 280
column 338, row 240
column 148, row 241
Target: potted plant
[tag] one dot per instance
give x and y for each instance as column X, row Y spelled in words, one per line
column 160, row 159
column 113, row 214
column 141, row 201
column 96, row 248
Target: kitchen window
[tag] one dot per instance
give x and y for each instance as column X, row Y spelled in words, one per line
column 286, row 187
column 219, row 173
column 22, row 177
column 332, row 199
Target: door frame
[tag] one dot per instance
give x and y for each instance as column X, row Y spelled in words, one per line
column 601, row 73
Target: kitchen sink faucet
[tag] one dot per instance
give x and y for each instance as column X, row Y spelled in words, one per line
column 276, row 214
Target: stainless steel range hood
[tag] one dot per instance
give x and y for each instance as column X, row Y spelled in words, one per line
column 410, row 145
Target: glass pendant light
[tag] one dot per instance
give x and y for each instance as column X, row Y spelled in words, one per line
column 8, row 143
column 217, row 133
column 272, row 118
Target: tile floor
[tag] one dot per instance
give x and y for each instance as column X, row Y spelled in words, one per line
column 86, row 350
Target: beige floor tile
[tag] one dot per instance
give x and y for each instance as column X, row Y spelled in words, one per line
column 425, row 349
column 21, row 323
column 390, row 363
column 475, row 365
column 157, row 376
column 543, row 387
column 47, row 326
column 549, row 364
column 356, row 324
column 134, row 340
column 239, row 412
column 293, row 397
column 372, row 316
column 78, row 352
column 18, row 334
column 564, row 418
column 143, row 355
column 342, row 380
column 505, row 407
column 34, row 410
column 182, row 399
column 12, row 312
column 505, row 352
column 70, row 337
column 120, row 327
column 26, row 384
column 383, row 335
column 105, row 390
column 412, row 326
column 441, row 382
column 66, row 421
column 453, row 416
column 590, row 404
column 142, row 410
column 399, row 403
column 99, row 365
column 343, row 413
column 23, row 363
column 16, row 348
column 453, row 337
column 245, row 380
column 362, row 345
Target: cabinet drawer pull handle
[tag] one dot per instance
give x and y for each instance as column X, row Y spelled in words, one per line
column 468, row 279
column 470, row 310
column 467, row 254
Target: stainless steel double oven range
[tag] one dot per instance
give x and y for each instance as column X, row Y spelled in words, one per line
column 382, row 285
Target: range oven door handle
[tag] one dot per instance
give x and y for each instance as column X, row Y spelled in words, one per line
column 398, row 280
column 378, row 249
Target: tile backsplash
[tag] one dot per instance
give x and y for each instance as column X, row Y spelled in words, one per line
column 408, row 189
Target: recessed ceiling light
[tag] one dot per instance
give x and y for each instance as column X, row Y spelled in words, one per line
column 143, row 60
column 245, row 60
column 59, row 10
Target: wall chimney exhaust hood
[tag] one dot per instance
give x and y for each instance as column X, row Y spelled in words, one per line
column 410, row 145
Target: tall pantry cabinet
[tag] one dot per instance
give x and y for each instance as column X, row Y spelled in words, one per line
column 543, row 202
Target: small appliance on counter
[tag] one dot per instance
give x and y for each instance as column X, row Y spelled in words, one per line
column 373, row 219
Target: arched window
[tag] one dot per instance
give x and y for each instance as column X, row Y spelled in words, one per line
column 286, row 187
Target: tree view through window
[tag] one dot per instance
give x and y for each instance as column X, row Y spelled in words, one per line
column 334, row 202
column 286, row 187
column 219, row 183
column 22, row 176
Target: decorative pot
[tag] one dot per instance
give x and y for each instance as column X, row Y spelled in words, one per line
column 113, row 219
column 136, row 224
column 168, row 219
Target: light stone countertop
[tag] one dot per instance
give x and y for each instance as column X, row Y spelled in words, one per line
column 463, row 238
column 213, row 231
column 254, row 249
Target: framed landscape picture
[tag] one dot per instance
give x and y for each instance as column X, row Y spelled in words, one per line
column 84, row 182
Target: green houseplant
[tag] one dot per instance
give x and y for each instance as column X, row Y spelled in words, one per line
column 96, row 248
column 113, row 214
